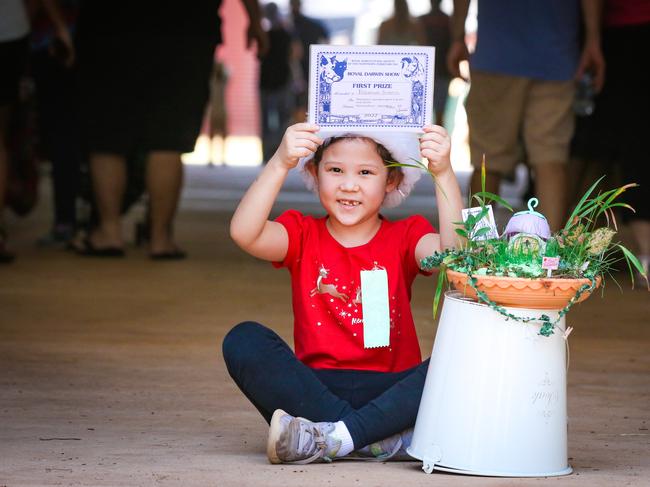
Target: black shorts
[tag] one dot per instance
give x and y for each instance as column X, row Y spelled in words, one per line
column 143, row 92
column 13, row 57
column 616, row 132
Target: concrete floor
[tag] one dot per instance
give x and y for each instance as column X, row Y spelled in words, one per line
column 111, row 372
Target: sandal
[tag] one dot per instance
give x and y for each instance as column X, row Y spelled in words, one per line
column 88, row 249
column 175, row 254
column 6, row 257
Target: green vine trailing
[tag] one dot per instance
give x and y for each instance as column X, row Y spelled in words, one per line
column 584, row 247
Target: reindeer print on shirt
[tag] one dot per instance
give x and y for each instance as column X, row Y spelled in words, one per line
column 322, row 288
column 331, row 296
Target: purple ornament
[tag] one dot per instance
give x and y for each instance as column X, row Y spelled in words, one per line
column 530, row 222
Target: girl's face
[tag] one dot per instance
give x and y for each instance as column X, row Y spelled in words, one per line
column 352, row 181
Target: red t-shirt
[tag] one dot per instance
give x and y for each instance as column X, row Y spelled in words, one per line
column 328, row 318
column 621, row 13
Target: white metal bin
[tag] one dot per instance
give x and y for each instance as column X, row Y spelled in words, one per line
column 494, row 400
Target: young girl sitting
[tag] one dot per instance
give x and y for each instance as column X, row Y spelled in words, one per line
column 357, row 398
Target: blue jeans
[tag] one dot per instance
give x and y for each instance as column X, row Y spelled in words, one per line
column 373, row 405
column 276, row 116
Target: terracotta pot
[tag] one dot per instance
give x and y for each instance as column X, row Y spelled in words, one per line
column 520, row 292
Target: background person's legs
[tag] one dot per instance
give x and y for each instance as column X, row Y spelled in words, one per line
column 177, row 85
column 637, row 171
column 625, row 49
column 5, row 255
column 495, row 107
column 164, row 182
column 551, row 188
column 440, row 96
column 108, row 173
column 56, row 95
column 109, row 119
column 276, row 113
column 641, row 231
column 547, row 130
column 4, row 163
column 13, row 55
column 268, row 115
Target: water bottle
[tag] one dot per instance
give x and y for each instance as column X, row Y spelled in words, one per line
column 583, row 104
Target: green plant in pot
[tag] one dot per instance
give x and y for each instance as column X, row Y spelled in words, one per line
column 528, row 266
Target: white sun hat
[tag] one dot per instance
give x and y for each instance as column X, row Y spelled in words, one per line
column 403, row 146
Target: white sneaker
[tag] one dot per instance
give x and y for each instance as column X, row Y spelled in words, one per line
column 392, row 448
column 298, row 440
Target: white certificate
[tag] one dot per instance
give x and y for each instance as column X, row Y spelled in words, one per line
column 371, row 87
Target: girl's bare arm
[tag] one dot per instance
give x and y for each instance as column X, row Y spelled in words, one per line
column 250, row 226
column 435, row 145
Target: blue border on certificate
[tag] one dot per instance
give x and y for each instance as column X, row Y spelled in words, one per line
column 330, row 67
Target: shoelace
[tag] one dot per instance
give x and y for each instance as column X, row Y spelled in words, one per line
column 310, row 438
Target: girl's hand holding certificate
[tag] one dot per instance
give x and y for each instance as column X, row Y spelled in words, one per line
column 435, row 145
column 300, row 140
